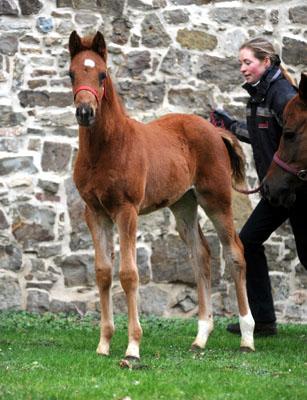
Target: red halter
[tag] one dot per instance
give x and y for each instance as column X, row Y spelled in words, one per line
column 104, row 94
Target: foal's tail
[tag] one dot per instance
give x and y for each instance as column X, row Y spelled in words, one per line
column 237, row 159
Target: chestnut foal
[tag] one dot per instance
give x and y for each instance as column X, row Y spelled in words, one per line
column 125, row 168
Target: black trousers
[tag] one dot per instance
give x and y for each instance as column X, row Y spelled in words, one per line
column 264, row 220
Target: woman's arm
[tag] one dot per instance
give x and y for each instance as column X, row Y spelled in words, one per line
column 238, row 128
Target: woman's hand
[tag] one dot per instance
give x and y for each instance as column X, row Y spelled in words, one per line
column 222, row 115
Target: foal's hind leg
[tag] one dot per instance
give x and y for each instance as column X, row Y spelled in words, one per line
column 217, row 205
column 185, row 211
column 101, row 228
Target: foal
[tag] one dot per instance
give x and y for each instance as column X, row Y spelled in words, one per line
column 125, row 168
column 288, row 171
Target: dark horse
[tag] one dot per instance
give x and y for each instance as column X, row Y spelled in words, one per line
column 288, row 171
column 125, row 168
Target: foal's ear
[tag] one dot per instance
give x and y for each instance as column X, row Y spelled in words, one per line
column 99, row 45
column 75, row 44
column 302, row 89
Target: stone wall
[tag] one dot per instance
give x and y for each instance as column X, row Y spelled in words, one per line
column 164, row 56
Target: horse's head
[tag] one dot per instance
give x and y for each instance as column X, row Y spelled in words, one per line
column 88, row 73
column 286, row 177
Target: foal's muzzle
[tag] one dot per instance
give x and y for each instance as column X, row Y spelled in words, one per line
column 280, row 195
column 85, row 115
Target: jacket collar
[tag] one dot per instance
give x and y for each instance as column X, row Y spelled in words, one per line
column 270, row 75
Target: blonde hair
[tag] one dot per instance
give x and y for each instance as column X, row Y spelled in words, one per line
column 262, row 48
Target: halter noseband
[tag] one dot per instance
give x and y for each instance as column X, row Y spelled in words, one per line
column 88, row 88
column 300, row 173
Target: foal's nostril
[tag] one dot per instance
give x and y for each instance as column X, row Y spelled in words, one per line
column 266, row 191
column 78, row 111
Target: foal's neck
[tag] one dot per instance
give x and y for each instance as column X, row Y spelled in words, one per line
column 108, row 126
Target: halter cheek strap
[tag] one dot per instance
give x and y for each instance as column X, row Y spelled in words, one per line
column 301, row 174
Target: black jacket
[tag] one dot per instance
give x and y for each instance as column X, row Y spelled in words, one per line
column 264, row 116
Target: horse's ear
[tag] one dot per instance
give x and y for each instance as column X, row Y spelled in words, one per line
column 99, row 45
column 75, row 44
column 302, row 89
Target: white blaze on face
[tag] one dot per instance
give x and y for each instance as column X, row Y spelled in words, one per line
column 89, row 63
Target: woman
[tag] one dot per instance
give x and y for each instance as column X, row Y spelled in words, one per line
column 270, row 88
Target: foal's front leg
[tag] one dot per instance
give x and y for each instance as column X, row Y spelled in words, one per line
column 127, row 225
column 101, row 228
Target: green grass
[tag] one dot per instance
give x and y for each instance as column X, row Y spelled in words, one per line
column 53, row 357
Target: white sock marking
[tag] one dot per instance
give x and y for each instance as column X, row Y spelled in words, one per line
column 247, row 325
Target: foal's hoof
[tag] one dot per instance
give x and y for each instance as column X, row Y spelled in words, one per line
column 245, row 349
column 195, row 347
column 126, row 364
column 132, row 359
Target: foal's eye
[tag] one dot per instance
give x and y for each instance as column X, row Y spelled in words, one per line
column 72, row 76
column 289, row 136
column 101, row 77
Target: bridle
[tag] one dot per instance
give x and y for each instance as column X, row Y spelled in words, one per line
column 300, row 173
column 88, row 88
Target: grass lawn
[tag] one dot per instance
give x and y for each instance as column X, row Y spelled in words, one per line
column 53, row 357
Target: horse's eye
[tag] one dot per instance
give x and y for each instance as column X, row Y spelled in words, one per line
column 72, row 76
column 102, row 76
column 289, row 136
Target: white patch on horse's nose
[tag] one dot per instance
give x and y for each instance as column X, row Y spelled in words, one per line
column 89, row 63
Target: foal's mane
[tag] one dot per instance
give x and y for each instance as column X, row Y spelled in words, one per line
column 87, row 42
